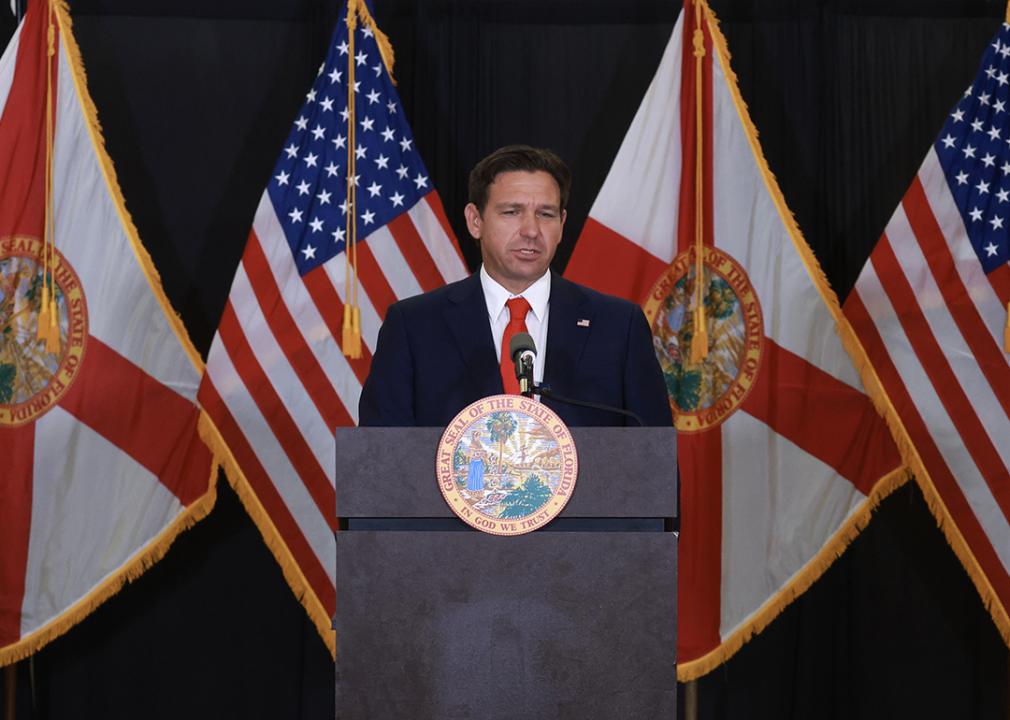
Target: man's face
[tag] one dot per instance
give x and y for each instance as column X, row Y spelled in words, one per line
column 520, row 227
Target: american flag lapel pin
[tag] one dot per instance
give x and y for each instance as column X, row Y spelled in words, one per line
column 583, row 323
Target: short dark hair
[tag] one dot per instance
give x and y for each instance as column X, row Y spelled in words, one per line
column 518, row 157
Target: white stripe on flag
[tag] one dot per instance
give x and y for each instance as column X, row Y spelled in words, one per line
column 283, row 378
column 94, row 507
column 780, row 505
column 122, row 310
column 941, row 427
column 749, row 228
column 440, row 247
column 392, row 263
column 272, row 457
column 650, row 157
column 7, row 62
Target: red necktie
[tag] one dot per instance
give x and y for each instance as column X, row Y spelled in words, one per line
column 518, row 307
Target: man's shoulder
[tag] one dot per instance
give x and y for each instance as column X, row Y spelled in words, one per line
column 599, row 301
column 440, row 296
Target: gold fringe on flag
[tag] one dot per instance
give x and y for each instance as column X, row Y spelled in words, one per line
column 699, row 343
column 359, row 8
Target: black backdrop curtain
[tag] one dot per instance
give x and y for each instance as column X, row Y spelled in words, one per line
column 196, row 98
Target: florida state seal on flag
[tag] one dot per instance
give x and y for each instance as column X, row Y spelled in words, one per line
column 782, row 454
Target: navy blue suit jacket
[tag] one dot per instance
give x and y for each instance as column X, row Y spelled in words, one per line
column 435, row 355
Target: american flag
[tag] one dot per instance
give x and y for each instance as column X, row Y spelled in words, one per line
column 277, row 381
column 930, row 307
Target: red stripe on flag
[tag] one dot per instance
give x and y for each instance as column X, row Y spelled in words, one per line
column 415, row 253
column 940, row 474
column 435, row 203
column 141, row 416
column 990, row 357
column 942, row 377
column 373, row 280
column 610, row 263
column 276, row 414
column 22, row 134
column 798, row 400
column 290, row 338
column 15, row 525
column 268, row 496
column 699, row 571
column 331, row 308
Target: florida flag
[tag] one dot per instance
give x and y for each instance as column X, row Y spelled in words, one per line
column 101, row 457
column 782, row 453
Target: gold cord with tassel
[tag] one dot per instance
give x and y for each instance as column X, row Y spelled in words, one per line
column 48, row 320
column 699, row 342
column 351, row 331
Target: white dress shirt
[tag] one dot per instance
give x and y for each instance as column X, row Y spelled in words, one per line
column 538, row 295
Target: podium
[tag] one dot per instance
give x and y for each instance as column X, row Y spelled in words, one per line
column 436, row 620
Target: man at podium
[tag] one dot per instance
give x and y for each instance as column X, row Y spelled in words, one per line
column 442, row 350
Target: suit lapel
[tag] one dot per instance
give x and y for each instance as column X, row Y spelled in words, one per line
column 566, row 338
column 467, row 318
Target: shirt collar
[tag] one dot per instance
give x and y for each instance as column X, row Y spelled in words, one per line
column 537, row 295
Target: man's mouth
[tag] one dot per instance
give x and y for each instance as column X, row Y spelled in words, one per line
column 527, row 252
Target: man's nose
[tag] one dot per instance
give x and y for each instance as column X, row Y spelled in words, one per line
column 529, row 227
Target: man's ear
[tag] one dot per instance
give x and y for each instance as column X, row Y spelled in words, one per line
column 564, row 216
column 474, row 222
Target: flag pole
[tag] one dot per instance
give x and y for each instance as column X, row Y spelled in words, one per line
column 10, row 690
column 691, row 700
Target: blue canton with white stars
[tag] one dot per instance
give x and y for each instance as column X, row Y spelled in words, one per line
column 309, row 184
column 974, row 151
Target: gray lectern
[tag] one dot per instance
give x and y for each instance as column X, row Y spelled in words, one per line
column 438, row 621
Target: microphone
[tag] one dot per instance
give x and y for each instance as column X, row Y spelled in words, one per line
column 523, row 352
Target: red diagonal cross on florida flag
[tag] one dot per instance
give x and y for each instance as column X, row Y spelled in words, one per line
column 782, row 454
column 101, row 457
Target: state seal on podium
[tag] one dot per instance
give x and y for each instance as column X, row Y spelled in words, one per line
column 506, row 465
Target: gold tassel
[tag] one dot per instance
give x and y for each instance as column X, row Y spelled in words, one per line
column 353, row 350
column 42, row 331
column 351, row 333
column 699, row 342
column 53, row 336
